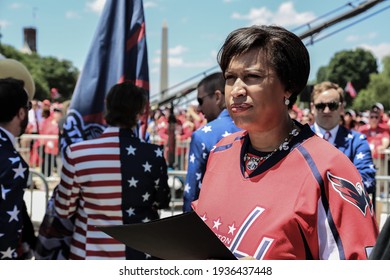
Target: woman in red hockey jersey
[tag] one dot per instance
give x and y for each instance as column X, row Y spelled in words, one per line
column 276, row 190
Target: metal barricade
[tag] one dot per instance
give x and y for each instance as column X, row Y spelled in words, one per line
column 176, row 181
column 382, row 200
column 36, row 197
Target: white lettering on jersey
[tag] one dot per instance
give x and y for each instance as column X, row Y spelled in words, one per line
column 264, row 244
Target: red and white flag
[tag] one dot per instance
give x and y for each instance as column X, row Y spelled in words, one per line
column 350, row 89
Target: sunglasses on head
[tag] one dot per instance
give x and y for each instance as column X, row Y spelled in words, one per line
column 200, row 99
column 331, row 105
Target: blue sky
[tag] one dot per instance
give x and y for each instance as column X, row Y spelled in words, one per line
column 196, row 29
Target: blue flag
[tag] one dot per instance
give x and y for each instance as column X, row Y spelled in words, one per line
column 118, row 53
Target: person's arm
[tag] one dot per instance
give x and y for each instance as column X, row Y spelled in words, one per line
column 163, row 192
column 347, row 228
column 67, row 192
column 196, row 167
column 364, row 162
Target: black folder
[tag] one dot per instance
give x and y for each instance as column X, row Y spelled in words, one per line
column 180, row 237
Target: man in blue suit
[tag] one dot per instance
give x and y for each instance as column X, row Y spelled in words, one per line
column 327, row 105
column 211, row 101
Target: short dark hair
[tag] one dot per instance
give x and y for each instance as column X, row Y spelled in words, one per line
column 123, row 103
column 13, row 96
column 285, row 52
column 213, row 82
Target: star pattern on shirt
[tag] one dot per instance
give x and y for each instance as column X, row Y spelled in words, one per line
column 362, row 136
column 187, row 188
column 192, row 158
column 13, row 214
column 226, row 134
column 146, row 196
column 204, row 217
column 350, row 136
column 14, row 159
column 232, row 228
column 4, row 192
column 147, row 167
column 131, row 150
column 131, row 211
column 132, row 182
column 7, row 254
column 146, row 220
column 203, row 146
column 19, row 172
column 217, row 223
column 157, row 183
column 207, row 128
column 360, row 155
column 198, row 176
column 159, row 152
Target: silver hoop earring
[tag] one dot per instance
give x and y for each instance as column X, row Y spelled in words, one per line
column 286, row 101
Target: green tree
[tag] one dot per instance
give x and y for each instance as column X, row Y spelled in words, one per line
column 353, row 66
column 378, row 89
column 47, row 72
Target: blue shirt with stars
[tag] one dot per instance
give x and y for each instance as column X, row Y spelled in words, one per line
column 202, row 141
column 13, row 180
column 355, row 146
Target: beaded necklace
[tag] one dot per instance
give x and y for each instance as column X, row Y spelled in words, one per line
column 253, row 161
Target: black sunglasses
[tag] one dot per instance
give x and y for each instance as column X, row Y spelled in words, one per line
column 200, row 99
column 331, row 105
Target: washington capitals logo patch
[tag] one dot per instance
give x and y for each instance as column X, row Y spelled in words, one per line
column 354, row 194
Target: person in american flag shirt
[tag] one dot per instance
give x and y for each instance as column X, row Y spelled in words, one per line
column 114, row 179
column 211, row 101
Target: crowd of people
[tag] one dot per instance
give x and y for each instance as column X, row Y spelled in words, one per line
column 272, row 180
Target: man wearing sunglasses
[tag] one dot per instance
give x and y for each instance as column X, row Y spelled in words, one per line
column 327, row 106
column 211, row 101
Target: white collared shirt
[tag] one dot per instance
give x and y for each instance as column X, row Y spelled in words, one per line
column 10, row 136
column 321, row 132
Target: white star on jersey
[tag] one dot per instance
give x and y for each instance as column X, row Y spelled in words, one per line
column 19, row 172
column 226, row 134
column 131, row 150
column 146, row 220
column 198, row 176
column 204, row 218
column 232, row 228
column 217, row 223
column 147, row 167
column 159, row 152
column 14, row 214
column 132, row 182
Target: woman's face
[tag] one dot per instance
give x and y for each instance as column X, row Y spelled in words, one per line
column 253, row 92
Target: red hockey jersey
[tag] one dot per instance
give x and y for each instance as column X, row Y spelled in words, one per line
column 305, row 202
